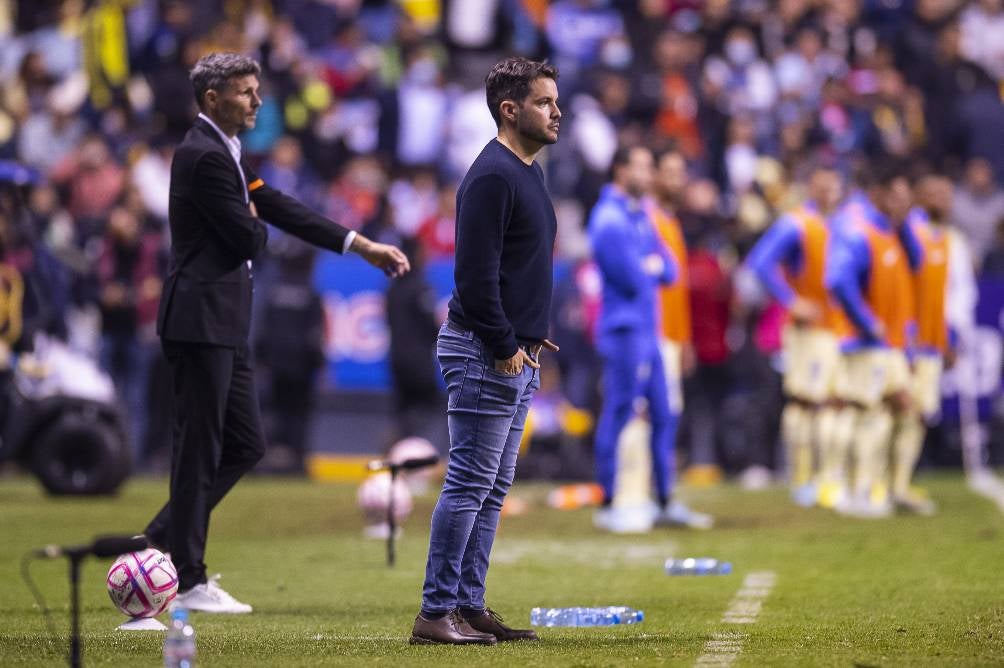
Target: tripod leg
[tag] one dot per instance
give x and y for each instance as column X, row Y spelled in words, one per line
column 390, row 519
column 75, row 649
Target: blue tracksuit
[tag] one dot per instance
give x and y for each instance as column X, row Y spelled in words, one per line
column 622, row 237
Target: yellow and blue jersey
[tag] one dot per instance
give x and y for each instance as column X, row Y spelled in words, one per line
column 674, row 298
column 870, row 275
column 930, row 281
column 790, row 260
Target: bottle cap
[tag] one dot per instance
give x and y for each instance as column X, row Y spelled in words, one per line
column 726, row 568
column 179, row 613
column 639, row 616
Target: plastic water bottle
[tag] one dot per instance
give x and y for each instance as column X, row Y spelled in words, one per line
column 179, row 645
column 607, row 616
column 697, row 566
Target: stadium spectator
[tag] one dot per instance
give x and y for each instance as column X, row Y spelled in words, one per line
column 292, row 353
column 993, row 261
column 49, row 135
column 413, row 323
column 438, row 231
column 94, row 181
column 130, row 266
column 982, row 38
column 978, row 207
column 150, row 175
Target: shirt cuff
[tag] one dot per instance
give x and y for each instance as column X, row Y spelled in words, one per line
column 349, row 238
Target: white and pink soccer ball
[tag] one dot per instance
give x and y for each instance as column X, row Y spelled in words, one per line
column 374, row 498
column 415, row 447
column 142, row 584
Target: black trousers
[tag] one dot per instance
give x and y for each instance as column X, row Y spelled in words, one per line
column 217, row 438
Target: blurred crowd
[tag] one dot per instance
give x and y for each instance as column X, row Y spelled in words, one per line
column 373, row 110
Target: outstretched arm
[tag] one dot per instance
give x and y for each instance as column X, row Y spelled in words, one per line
column 293, row 217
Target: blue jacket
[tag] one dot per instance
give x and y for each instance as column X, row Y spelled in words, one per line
column 622, row 236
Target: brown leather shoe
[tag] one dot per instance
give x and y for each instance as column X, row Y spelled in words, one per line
column 490, row 621
column 449, row 630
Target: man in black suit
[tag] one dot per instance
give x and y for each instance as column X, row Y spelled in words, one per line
column 205, row 312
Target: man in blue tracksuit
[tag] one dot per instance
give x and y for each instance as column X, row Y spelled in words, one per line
column 632, row 262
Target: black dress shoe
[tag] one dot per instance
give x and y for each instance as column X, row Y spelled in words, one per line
column 448, row 630
column 490, row 621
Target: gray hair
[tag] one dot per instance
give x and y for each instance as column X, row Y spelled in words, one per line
column 217, row 69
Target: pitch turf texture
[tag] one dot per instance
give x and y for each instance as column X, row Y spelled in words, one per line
column 907, row 591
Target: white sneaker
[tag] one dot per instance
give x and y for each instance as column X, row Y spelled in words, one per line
column 623, row 520
column 755, row 478
column 679, row 515
column 864, row 508
column 806, row 495
column 210, row 597
column 915, row 503
column 380, row 531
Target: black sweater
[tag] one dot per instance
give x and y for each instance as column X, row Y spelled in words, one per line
column 505, row 242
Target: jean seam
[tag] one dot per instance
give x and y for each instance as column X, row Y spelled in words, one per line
column 477, row 539
column 460, row 390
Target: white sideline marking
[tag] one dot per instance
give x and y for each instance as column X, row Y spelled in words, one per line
column 987, row 485
column 746, row 604
column 608, row 555
column 724, row 648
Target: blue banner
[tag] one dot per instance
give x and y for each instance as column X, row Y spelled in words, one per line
column 980, row 368
column 357, row 339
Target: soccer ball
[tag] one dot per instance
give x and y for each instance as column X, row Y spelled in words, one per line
column 415, row 447
column 142, row 584
column 374, row 498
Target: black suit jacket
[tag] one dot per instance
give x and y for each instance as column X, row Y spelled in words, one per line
column 207, row 294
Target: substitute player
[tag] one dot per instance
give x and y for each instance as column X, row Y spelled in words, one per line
column 870, row 275
column 675, row 345
column 945, row 294
column 790, row 260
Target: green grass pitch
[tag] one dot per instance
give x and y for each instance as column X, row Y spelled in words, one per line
column 906, row 591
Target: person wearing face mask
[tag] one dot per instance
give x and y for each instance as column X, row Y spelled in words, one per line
column 414, row 116
column 869, row 275
column 745, row 81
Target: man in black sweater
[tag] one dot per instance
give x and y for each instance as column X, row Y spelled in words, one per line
column 489, row 348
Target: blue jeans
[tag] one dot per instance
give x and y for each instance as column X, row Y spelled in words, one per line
column 632, row 368
column 486, row 411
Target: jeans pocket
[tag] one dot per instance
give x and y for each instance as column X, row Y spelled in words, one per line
column 455, row 375
column 495, row 372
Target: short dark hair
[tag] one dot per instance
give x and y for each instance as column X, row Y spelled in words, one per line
column 217, row 69
column 622, row 157
column 510, row 79
column 885, row 171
